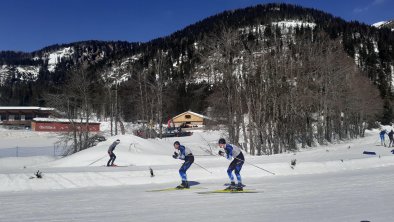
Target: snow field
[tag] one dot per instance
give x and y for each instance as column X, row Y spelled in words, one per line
column 342, row 196
column 86, row 168
column 328, row 183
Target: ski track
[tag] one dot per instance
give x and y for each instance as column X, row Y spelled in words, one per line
column 346, row 196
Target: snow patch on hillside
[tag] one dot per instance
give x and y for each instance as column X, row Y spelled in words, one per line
column 119, row 73
column 19, row 72
column 29, row 71
column 55, row 57
column 253, row 29
column 384, row 24
column 392, row 77
column 3, row 74
column 357, row 57
column 287, row 25
column 379, row 24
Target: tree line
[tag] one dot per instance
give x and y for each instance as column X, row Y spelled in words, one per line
column 272, row 91
column 280, row 94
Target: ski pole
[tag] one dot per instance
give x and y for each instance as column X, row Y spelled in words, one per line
column 98, row 160
column 203, row 168
column 253, row 165
column 201, row 155
column 256, row 166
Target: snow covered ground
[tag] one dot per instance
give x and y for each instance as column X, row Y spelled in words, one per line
column 328, row 183
column 343, row 196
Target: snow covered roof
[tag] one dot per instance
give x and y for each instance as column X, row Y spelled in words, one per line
column 59, row 120
column 25, row 108
column 193, row 113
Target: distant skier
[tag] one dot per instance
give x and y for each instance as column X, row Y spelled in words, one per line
column 187, row 155
column 235, row 152
column 382, row 133
column 391, row 137
column 111, row 154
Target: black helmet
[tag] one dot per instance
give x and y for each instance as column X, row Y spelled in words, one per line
column 176, row 143
column 222, row 141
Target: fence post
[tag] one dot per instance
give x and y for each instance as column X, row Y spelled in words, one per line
column 17, row 151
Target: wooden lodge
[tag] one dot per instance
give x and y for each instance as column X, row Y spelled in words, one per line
column 23, row 115
column 189, row 119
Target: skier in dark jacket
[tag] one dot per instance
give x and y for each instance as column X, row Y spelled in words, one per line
column 382, row 133
column 232, row 151
column 391, row 137
column 111, row 154
column 187, row 155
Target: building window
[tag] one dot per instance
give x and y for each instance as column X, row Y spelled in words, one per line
column 188, row 116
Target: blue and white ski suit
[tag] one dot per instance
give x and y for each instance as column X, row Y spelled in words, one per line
column 187, row 155
column 235, row 152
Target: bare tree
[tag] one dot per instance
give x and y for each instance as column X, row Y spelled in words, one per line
column 294, row 91
column 225, row 59
column 76, row 102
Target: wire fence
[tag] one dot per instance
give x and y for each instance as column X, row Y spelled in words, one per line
column 32, row 151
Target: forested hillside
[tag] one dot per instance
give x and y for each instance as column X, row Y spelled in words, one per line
column 277, row 75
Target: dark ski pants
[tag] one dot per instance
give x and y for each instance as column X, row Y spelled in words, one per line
column 236, row 166
column 112, row 158
column 189, row 160
column 382, row 140
column 391, row 142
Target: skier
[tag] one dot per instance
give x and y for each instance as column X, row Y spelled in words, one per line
column 187, row 155
column 391, row 134
column 111, row 154
column 235, row 152
column 382, row 142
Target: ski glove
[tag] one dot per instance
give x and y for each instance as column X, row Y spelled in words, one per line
column 175, row 156
column 221, row 153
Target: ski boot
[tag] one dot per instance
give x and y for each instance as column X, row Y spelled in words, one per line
column 231, row 187
column 239, row 187
column 183, row 185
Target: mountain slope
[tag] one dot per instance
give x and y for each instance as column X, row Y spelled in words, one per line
column 371, row 48
column 385, row 24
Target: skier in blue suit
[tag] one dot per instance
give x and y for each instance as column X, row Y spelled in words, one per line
column 232, row 151
column 187, row 155
column 382, row 140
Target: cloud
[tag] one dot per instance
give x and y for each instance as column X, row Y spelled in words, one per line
column 378, row 2
column 360, row 10
column 366, row 8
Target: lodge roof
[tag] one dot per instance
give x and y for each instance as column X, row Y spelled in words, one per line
column 193, row 113
column 26, row 108
column 60, row 120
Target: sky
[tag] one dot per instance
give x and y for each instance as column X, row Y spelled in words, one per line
column 29, row 25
